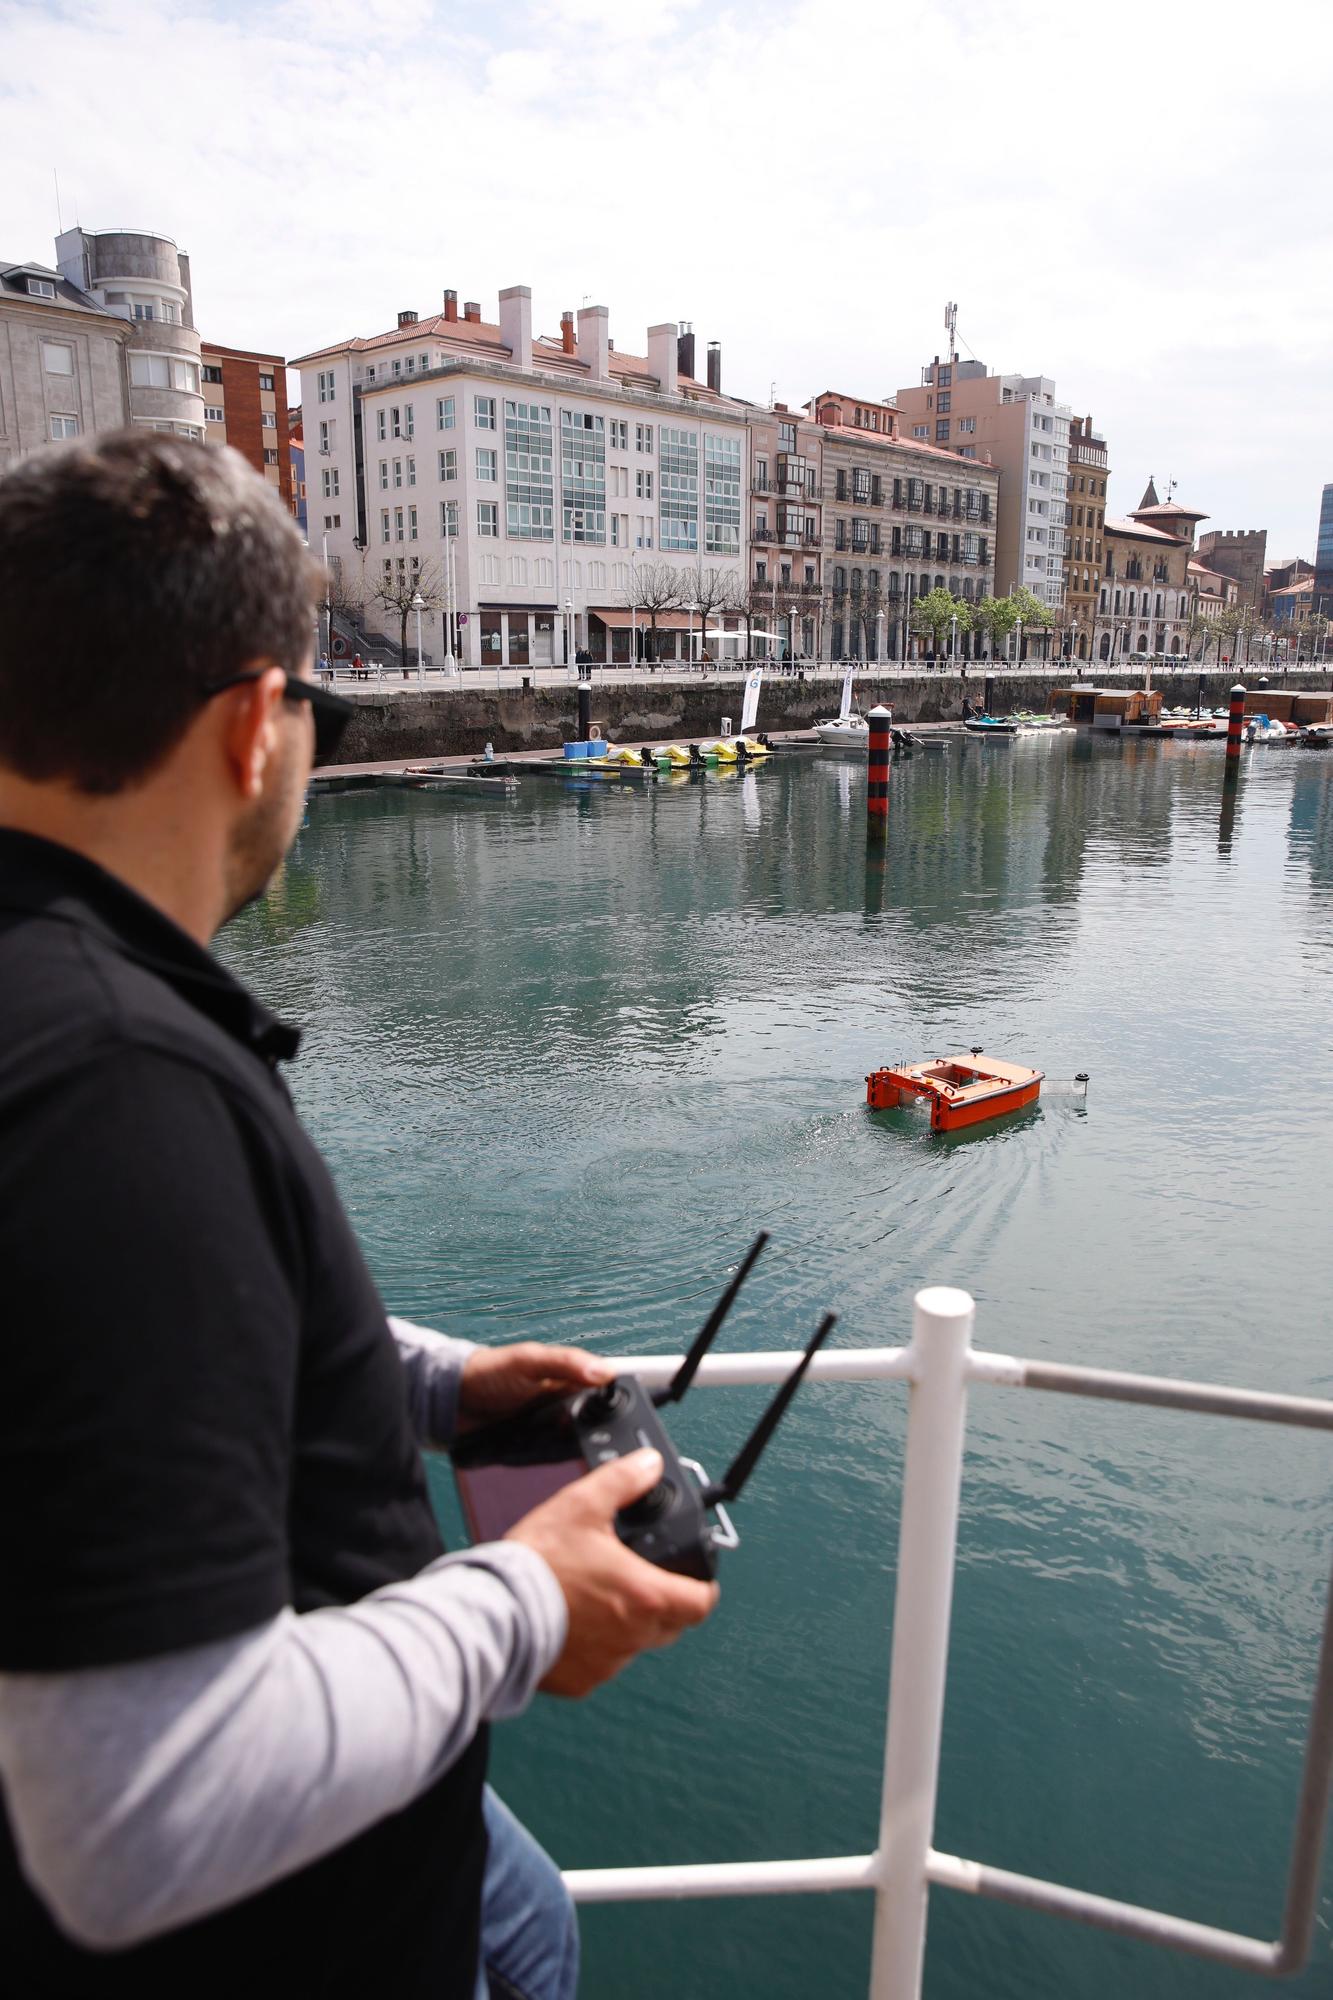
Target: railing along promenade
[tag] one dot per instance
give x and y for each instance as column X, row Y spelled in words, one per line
column 940, row 1367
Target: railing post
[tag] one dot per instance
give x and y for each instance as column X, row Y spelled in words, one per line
column 927, row 1536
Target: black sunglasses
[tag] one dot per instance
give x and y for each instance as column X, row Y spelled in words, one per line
column 332, row 714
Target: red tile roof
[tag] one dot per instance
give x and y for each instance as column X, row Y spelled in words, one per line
column 1139, row 531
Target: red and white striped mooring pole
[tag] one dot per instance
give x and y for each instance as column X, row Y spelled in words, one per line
column 1235, row 721
column 877, row 789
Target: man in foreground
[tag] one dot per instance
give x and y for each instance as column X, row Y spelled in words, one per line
column 243, row 1693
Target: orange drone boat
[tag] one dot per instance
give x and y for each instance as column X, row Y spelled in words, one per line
column 961, row 1091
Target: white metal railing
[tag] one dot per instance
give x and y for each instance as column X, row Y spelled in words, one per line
column 939, row 1366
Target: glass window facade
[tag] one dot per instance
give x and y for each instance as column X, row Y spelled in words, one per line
column 529, row 474
column 582, row 477
column 678, row 487
column 722, row 495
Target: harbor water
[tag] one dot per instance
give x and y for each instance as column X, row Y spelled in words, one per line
column 566, row 1052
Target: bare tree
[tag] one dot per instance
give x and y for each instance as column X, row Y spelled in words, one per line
column 397, row 591
column 656, row 588
column 348, row 590
column 709, row 589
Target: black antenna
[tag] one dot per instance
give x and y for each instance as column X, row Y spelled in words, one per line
column 707, row 1333
column 746, row 1459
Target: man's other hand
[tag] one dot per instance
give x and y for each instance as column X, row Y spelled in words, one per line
column 619, row 1605
column 499, row 1380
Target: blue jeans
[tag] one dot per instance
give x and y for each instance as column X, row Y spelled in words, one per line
column 529, row 1933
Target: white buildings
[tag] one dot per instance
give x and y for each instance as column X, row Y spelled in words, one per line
column 574, row 483
column 1014, row 423
column 145, row 280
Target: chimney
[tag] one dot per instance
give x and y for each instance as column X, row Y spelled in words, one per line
column 567, row 333
column 662, row 356
column 472, row 312
column 516, row 324
column 685, row 349
column 407, row 319
column 593, row 346
column 451, row 306
column 715, row 366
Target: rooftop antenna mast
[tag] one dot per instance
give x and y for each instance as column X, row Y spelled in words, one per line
column 951, row 327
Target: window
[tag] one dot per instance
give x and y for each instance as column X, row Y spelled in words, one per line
column 381, row 426
column 64, row 427
column 619, row 531
column 944, row 375
column 529, row 469
column 423, row 362
column 488, row 518
column 411, row 524
column 402, row 420
column 941, row 430
column 921, row 431
column 786, row 437
column 41, row 288
column 398, row 472
column 967, row 424
column 679, row 489
column 943, row 404
column 761, row 571
column 483, row 412
column 384, row 524
column 619, row 434
column 409, row 365
column 411, row 472
column 268, row 420
column 384, row 475
column 487, row 463
column 643, row 485
column 398, row 524
column 333, row 520
column 214, row 414
column 643, row 437
column 643, row 531
column 397, row 368
column 270, row 456
column 265, row 381
column 448, row 517
column 444, row 413
column 57, row 359
column 328, row 434
column 447, row 464
column 325, row 381
column 582, row 476
column 163, row 371
column 329, row 480
column 212, row 373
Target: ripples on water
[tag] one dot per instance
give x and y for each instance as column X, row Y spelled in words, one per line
column 567, row 1054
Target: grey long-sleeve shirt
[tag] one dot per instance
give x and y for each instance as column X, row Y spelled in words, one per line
column 147, row 1795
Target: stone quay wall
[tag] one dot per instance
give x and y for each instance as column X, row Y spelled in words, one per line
column 459, row 721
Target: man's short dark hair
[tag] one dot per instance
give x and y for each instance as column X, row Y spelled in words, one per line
column 135, row 570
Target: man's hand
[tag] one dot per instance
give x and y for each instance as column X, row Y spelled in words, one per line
column 498, row 1380
column 619, row 1605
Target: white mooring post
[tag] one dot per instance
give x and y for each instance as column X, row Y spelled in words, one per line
column 927, row 1537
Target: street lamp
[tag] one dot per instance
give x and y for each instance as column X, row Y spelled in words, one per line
column 328, row 606
column 953, row 638
column 450, row 599
column 569, row 631
column 419, row 605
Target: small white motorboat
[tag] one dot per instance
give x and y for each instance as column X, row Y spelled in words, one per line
column 846, row 730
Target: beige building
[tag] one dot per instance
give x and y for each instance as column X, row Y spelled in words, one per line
column 901, row 517
column 1146, row 600
column 786, row 532
column 145, row 280
column 63, row 370
column 1085, row 516
column 1016, row 424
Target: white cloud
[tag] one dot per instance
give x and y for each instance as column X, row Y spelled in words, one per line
column 1136, row 202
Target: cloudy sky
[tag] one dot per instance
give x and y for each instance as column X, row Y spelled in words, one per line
column 1136, row 200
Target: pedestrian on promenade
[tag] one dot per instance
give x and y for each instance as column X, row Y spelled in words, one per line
column 359, row 668
column 244, row 1695
column 325, row 670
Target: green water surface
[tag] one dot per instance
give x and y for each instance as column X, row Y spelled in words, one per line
column 567, row 1052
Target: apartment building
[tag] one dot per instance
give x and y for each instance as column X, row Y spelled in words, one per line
column 1015, row 423
column 1145, row 602
column 542, row 487
column 145, row 280
column 1240, row 553
column 786, row 531
column 63, row 370
column 296, row 453
column 1085, row 517
column 902, row 517
column 245, row 406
